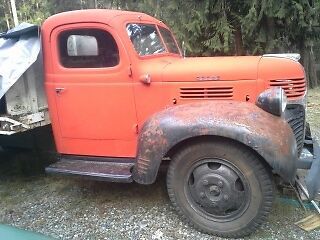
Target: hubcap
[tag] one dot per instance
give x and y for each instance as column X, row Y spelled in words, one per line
column 218, row 189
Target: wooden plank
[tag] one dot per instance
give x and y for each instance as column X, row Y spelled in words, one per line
column 309, row 223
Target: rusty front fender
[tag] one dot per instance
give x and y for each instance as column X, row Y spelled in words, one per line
column 268, row 135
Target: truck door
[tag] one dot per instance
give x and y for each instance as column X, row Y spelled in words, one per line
column 93, row 92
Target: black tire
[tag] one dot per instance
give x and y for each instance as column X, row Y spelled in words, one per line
column 232, row 207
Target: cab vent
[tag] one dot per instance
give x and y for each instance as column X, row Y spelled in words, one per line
column 294, row 88
column 207, row 93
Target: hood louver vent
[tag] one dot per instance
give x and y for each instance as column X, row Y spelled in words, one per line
column 220, row 93
column 294, row 88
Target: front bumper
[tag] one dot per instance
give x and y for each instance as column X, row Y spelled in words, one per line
column 310, row 159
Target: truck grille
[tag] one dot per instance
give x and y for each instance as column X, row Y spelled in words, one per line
column 295, row 116
column 222, row 93
column 294, row 88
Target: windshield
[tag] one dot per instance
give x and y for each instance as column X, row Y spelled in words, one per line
column 147, row 41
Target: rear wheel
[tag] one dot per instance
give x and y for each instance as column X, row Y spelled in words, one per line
column 220, row 188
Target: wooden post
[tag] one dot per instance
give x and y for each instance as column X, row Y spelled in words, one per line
column 14, row 12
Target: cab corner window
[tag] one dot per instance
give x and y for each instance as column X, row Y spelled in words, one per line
column 88, row 48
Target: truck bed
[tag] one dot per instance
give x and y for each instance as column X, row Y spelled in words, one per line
column 23, row 104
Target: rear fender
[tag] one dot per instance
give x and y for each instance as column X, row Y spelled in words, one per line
column 268, row 135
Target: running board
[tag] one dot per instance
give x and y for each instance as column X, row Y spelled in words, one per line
column 111, row 171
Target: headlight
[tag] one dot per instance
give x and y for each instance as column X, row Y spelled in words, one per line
column 273, row 100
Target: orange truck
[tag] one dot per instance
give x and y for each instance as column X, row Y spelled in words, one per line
column 122, row 100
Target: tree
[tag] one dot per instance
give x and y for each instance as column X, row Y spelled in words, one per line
column 285, row 26
column 5, row 16
column 33, row 11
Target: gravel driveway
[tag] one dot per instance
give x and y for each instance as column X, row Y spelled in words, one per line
column 67, row 208
column 70, row 208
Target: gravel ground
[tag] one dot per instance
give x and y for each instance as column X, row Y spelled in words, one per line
column 67, row 208
column 70, row 208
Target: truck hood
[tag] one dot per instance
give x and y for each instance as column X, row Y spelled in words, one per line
column 211, row 69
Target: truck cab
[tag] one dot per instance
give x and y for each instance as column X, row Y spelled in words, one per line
column 123, row 99
column 106, row 77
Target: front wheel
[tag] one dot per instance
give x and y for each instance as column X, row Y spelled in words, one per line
column 220, row 188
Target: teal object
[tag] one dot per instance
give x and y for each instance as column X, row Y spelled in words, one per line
column 295, row 203
column 12, row 233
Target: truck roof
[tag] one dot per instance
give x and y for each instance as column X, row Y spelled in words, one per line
column 90, row 15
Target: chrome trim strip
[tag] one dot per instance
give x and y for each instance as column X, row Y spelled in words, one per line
column 293, row 56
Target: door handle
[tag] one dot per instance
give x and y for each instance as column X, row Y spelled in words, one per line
column 145, row 79
column 59, row 90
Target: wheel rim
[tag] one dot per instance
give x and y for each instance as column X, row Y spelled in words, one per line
column 217, row 190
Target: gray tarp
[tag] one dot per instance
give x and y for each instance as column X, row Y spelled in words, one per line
column 19, row 49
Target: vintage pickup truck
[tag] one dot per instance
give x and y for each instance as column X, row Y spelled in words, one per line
column 122, row 99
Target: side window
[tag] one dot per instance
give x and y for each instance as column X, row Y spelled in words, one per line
column 88, row 48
